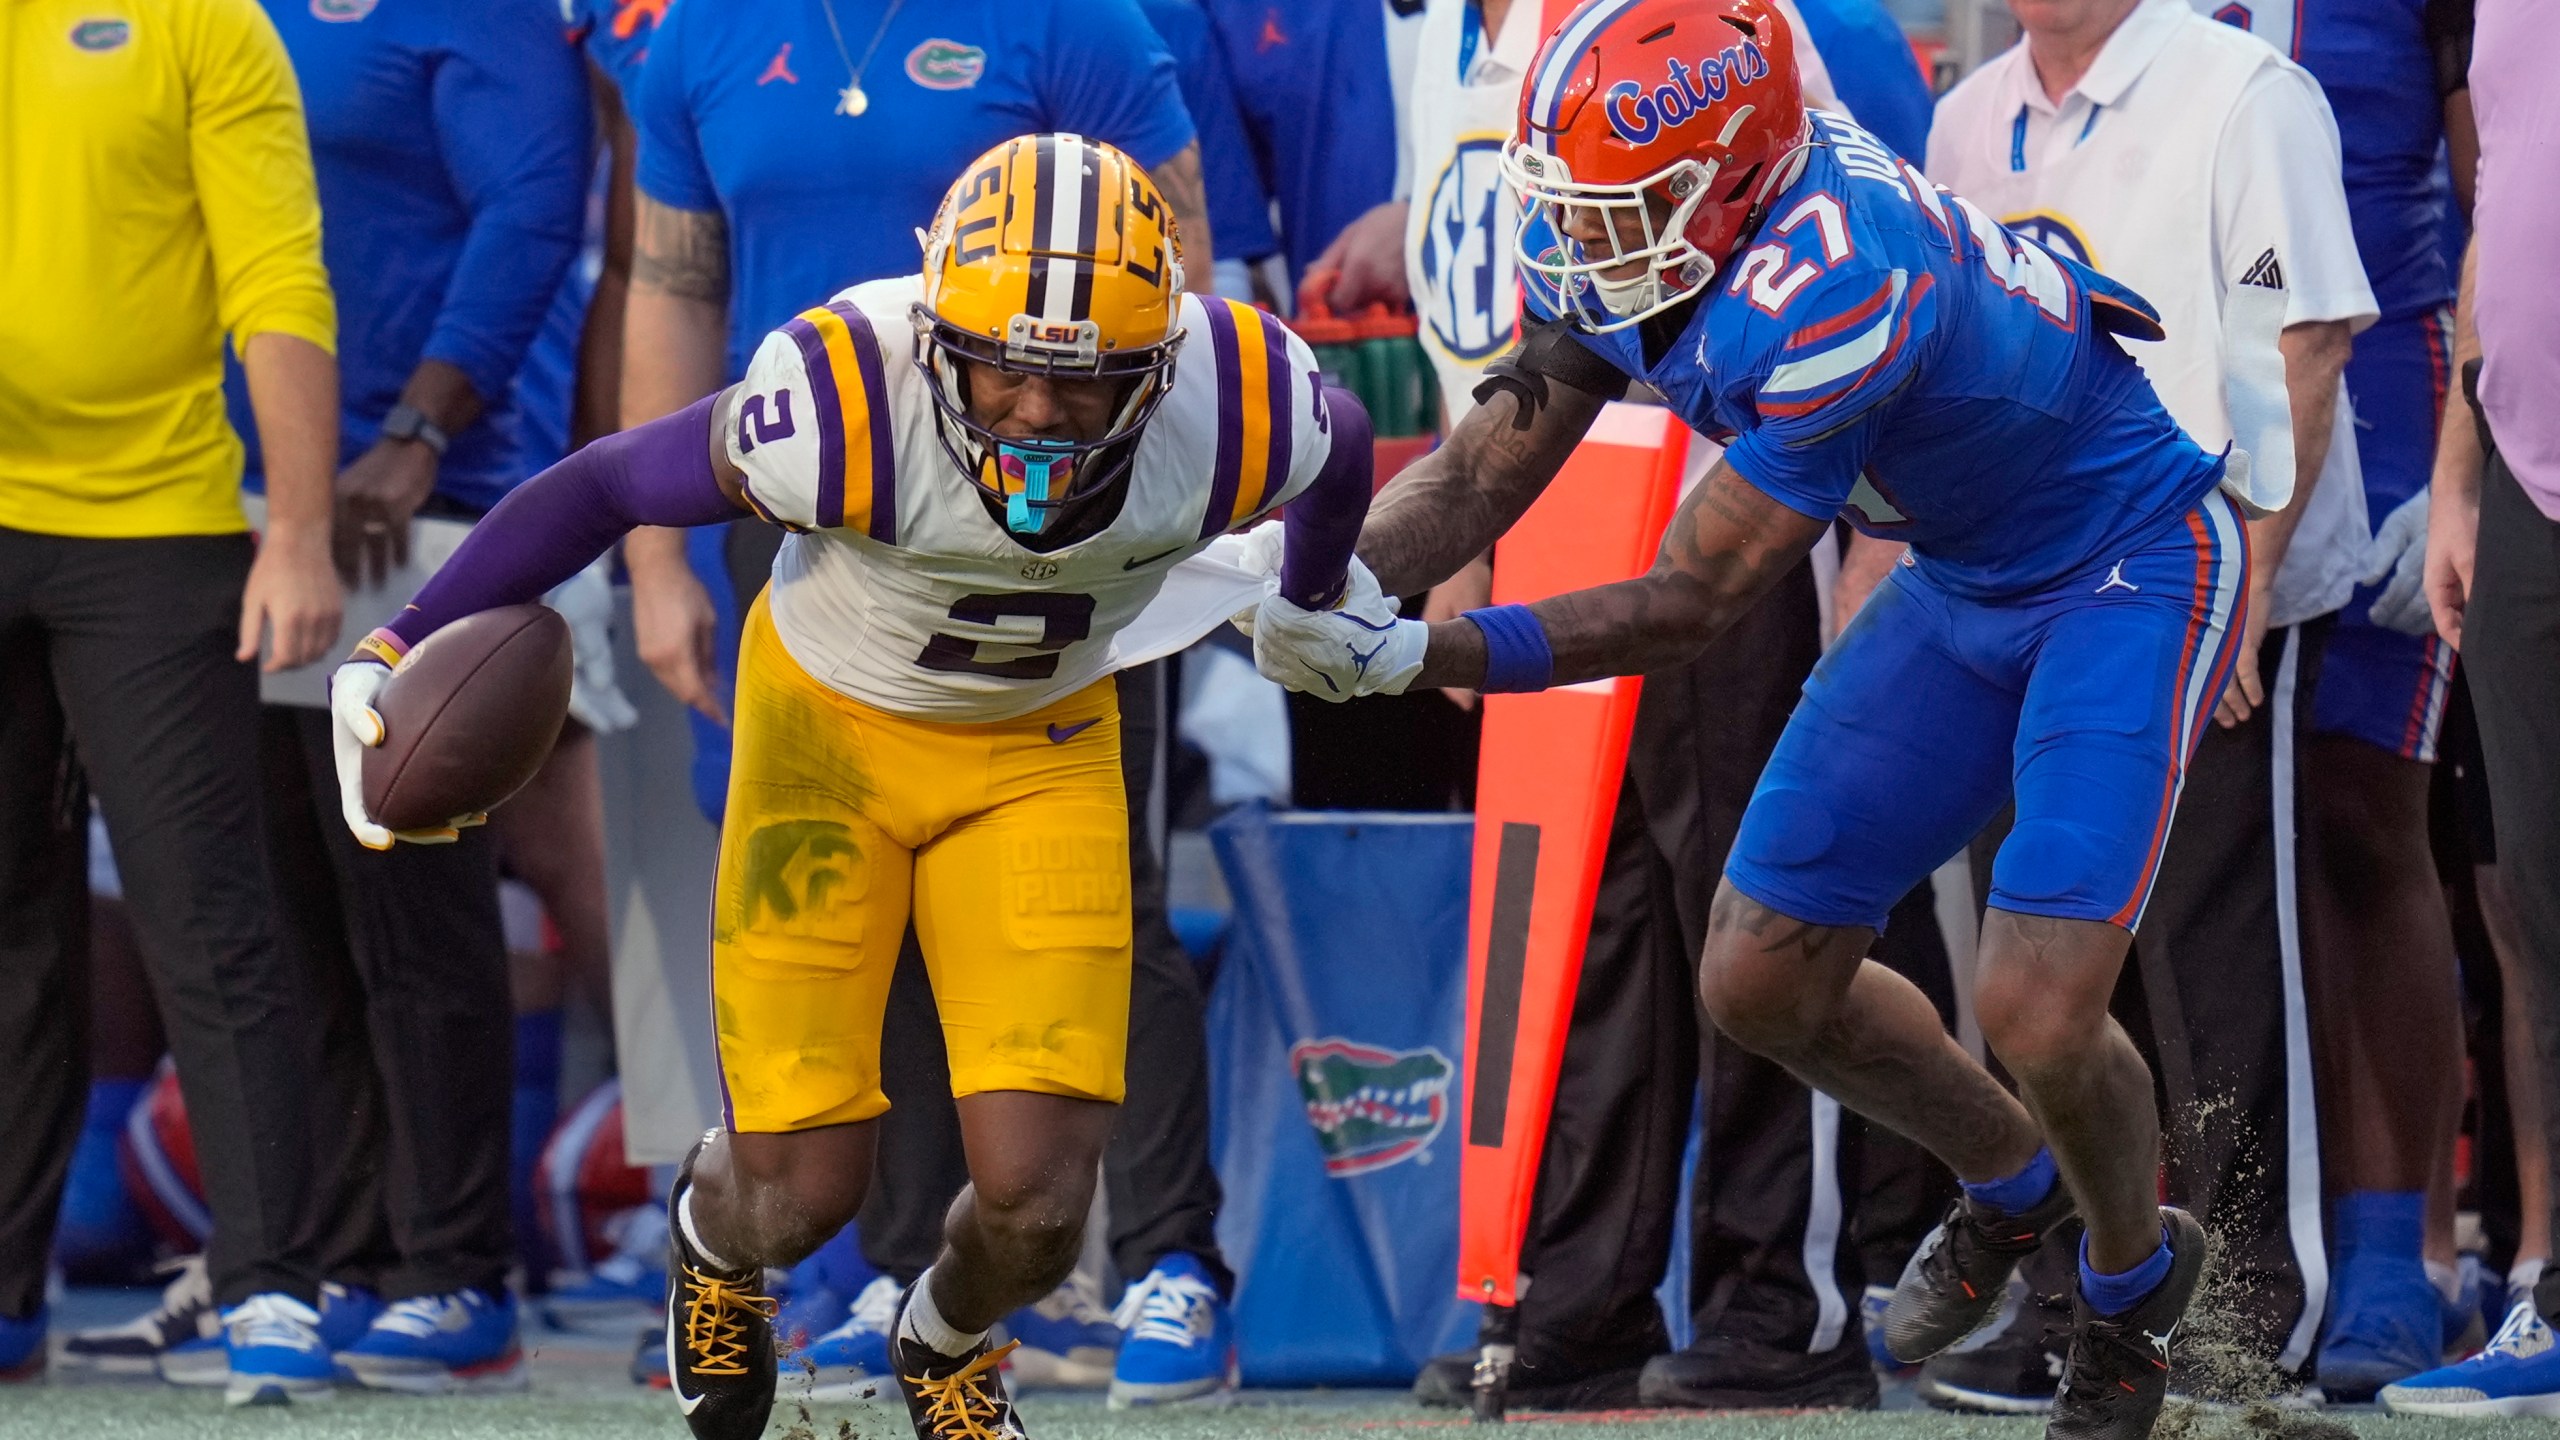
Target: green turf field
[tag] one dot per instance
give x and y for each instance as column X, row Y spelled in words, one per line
column 142, row 1412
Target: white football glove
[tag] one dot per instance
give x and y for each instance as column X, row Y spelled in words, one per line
column 1358, row 647
column 356, row 727
column 2397, row 561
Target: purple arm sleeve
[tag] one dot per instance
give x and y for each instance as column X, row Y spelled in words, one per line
column 555, row 524
column 1323, row 524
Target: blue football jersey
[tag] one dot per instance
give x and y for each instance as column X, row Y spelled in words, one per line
column 2376, row 62
column 1883, row 351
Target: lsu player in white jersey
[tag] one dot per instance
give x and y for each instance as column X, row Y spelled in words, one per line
column 990, row 470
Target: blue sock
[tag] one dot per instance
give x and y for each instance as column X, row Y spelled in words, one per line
column 2389, row 1224
column 2115, row 1294
column 2016, row 1194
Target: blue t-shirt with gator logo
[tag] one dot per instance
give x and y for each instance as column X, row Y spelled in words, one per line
column 1882, row 351
column 738, row 111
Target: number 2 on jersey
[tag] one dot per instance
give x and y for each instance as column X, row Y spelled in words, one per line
column 1064, row 620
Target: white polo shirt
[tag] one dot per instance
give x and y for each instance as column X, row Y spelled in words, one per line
column 2198, row 165
column 1457, row 239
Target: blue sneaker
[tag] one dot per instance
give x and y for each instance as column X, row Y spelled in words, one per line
column 440, row 1344
column 1871, row 1306
column 850, row 1362
column 273, row 1354
column 22, row 1347
column 1178, row 1341
column 1066, row 1341
column 346, row 1313
column 2518, row 1375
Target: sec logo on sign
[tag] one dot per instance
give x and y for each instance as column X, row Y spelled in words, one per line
column 1467, row 284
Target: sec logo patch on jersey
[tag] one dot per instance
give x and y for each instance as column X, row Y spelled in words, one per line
column 1468, row 305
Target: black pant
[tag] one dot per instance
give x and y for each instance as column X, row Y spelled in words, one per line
column 2511, row 650
column 406, row 960
column 123, row 647
column 1770, row 1258
column 1164, row 1196
column 2215, row 999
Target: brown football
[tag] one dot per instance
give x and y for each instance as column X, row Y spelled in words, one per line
column 468, row 717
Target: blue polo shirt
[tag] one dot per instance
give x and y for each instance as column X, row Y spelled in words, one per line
column 616, row 38
column 1874, row 70
column 1318, row 100
column 737, row 112
column 1239, row 203
column 451, row 143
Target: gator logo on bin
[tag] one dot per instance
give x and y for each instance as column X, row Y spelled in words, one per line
column 1371, row 1108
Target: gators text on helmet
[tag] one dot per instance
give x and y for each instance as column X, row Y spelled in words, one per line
column 1693, row 104
column 1053, row 255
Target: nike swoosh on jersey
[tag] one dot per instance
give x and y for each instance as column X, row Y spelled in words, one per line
column 1061, row 734
column 1151, row 559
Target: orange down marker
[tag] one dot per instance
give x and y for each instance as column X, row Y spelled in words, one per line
column 1547, row 785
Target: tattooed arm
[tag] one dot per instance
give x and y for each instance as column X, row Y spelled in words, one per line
column 1444, row 509
column 1728, row 543
column 675, row 339
column 1179, row 179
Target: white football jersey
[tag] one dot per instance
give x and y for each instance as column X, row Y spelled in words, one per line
column 900, row 589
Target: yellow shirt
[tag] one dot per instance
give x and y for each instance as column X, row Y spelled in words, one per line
column 155, row 192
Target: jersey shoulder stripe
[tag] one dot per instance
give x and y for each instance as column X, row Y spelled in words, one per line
column 1250, row 353
column 1814, row 375
column 849, row 390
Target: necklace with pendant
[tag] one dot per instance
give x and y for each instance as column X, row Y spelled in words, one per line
column 851, row 100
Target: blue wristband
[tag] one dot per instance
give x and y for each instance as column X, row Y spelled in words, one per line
column 1516, row 657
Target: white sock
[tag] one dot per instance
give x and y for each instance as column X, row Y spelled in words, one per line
column 925, row 1326
column 2525, row 1275
column 693, row 1233
column 2447, row 1280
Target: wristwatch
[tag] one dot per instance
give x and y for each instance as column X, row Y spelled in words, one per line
column 408, row 422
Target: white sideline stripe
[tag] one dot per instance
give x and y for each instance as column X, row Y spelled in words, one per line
column 2301, row 1112
column 1822, row 1228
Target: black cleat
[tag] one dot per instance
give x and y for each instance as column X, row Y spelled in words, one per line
column 1448, row 1381
column 1721, row 1372
column 2118, row 1371
column 1956, row 1279
column 2013, row 1371
column 719, row 1336
column 953, row 1397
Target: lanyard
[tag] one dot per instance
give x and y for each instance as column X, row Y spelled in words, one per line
column 1470, row 30
column 2018, row 136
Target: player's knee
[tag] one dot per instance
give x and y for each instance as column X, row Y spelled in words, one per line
column 791, row 1193
column 2042, row 990
column 1034, row 1215
column 1762, row 998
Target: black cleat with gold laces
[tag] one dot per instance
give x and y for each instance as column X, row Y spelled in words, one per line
column 953, row 1397
column 719, row 1336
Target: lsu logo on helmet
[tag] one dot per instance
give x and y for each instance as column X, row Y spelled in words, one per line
column 1053, row 255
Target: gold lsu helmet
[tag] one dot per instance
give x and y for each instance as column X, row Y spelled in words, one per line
column 1052, row 255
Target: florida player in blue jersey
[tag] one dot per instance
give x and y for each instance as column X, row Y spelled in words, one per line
column 1878, row 350
column 2380, row 938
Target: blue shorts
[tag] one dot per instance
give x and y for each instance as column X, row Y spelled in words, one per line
column 2376, row 685
column 2084, row 700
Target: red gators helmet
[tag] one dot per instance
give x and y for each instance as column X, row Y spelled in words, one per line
column 1693, row 103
